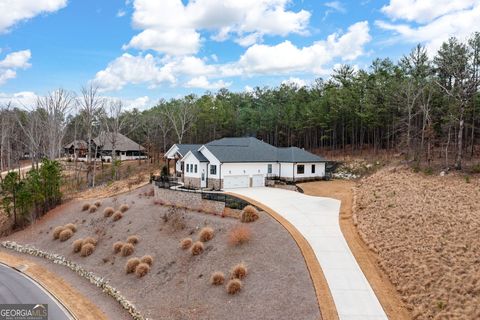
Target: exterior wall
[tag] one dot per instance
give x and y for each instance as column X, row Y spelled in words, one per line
column 212, row 161
column 171, row 152
column 215, row 184
column 190, row 182
column 248, row 168
column 289, row 171
column 189, row 159
column 191, row 200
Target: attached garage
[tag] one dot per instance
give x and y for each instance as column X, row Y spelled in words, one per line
column 258, row 180
column 230, row 182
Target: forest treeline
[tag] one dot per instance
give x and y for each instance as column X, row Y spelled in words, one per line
column 425, row 106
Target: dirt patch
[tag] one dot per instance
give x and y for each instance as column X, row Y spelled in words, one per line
column 425, row 230
column 278, row 285
column 385, row 291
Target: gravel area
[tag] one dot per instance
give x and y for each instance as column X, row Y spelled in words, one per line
column 425, row 230
column 278, row 285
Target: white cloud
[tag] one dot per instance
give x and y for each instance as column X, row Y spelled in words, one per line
column 14, row 11
column 295, row 81
column 423, row 11
column 16, row 60
column 442, row 21
column 286, row 57
column 133, row 69
column 121, row 13
column 173, row 28
column 203, row 83
column 195, row 72
column 12, row 62
column 336, row 5
column 25, row 99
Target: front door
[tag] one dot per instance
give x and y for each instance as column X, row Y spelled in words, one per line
column 203, row 183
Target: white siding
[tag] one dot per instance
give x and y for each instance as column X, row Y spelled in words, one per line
column 248, row 168
column 191, row 161
column 289, row 170
column 212, row 161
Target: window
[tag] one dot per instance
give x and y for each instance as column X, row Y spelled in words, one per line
column 269, row 168
column 188, row 167
column 313, row 168
column 195, row 168
column 213, row 169
column 300, row 169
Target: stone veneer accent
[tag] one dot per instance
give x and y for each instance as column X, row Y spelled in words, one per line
column 191, row 182
column 189, row 199
column 215, row 184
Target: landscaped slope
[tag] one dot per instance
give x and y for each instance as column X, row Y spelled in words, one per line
column 178, row 284
column 426, row 231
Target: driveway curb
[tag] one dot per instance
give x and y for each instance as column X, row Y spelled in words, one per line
column 322, row 290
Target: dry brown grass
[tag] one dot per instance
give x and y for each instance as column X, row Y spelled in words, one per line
column 85, row 206
column 57, row 231
column 239, row 271
column 197, row 248
column 234, row 286
column 133, row 239
column 65, row 234
column 142, row 269
column 90, row 240
column 77, row 245
column 206, row 234
column 71, row 226
column 239, row 234
column 147, row 259
column 249, row 214
column 117, row 246
column 97, row 204
column 92, row 208
column 127, row 249
column 108, row 211
column 87, row 249
column 117, row 216
column 217, row 278
column 186, row 243
column 124, row 208
column 131, row 264
column 425, row 230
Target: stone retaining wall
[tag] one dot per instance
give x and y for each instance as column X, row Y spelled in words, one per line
column 187, row 199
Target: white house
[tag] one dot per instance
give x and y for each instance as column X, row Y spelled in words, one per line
column 125, row 148
column 242, row 162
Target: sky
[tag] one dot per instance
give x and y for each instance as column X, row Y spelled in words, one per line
column 144, row 50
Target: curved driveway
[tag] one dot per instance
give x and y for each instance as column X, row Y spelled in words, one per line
column 15, row 288
column 317, row 219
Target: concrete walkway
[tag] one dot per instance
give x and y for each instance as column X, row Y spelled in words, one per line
column 317, row 219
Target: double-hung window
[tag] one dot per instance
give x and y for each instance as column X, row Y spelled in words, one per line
column 213, row 169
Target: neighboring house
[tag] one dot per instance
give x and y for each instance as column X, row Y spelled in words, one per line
column 243, row 162
column 125, row 148
column 76, row 149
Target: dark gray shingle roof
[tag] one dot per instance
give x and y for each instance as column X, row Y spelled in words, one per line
column 253, row 150
column 77, row 144
column 184, row 148
column 122, row 143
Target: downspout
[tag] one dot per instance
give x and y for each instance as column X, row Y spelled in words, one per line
column 220, row 175
column 293, row 169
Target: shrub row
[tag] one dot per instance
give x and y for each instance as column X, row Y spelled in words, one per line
column 90, row 276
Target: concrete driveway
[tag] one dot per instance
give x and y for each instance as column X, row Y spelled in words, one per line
column 318, row 220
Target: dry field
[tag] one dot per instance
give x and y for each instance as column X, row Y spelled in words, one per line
column 426, row 232
column 177, row 285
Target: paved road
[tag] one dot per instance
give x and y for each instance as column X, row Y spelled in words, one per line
column 18, row 288
column 317, row 219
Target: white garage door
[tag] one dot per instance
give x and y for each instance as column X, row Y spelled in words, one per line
column 258, row 180
column 231, row 182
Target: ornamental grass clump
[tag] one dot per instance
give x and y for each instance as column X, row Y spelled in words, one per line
column 117, row 216
column 127, row 249
column 131, row 264
column 77, row 245
column 56, row 232
column 133, row 239
column 65, row 234
column 142, row 269
column 71, row 226
column 234, row 286
column 197, row 248
column 87, row 249
column 117, row 246
column 217, row 278
column 239, row 271
column 147, row 259
column 92, row 208
column 85, row 206
column 239, row 235
column 124, row 207
column 249, row 214
column 206, row 234
column 90, row 240
column 108, row 211
column 186, row 243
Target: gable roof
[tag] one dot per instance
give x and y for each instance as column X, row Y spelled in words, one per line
column 122, row 143
column 77, row 144
column 253, row 150
column 184, row 148
column 197, row 154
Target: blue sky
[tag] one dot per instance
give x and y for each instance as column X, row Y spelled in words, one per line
column 143, row 50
